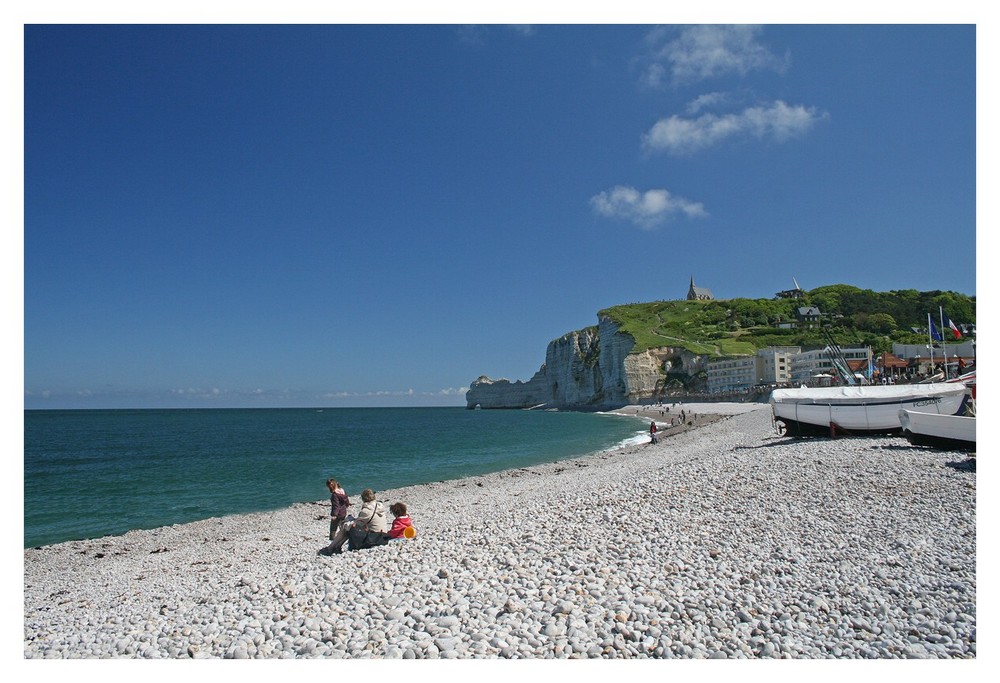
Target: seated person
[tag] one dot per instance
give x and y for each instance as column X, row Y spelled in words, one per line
column 370, row 518
column 401, row 521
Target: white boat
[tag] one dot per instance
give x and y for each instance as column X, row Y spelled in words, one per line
column 956, row 432
column 860, row 408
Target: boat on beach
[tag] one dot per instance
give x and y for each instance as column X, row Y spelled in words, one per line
column 860, row 409
column 957, row 432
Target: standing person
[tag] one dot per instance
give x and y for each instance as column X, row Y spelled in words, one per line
column 339, row 504
column 652, row 431
column 401, row 521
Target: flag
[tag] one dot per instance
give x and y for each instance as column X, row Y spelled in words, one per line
column 954, row 328
column 934, row 331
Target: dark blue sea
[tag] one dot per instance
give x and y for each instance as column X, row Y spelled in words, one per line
column 91, row 473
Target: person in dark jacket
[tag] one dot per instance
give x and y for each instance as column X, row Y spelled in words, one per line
column 339, row 504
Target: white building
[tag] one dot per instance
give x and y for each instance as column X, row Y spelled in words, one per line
column 772, row 365
column 731, row 374
column 965, row 349
column 809, row 364
column 919, row 356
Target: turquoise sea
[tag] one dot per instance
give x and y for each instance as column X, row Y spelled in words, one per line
column 91, row 473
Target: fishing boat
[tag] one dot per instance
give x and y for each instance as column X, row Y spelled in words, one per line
column 954, row 432
column 860, row 409
column 969, row 380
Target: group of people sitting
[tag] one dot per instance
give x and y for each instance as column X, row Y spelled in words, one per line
column 369, row 528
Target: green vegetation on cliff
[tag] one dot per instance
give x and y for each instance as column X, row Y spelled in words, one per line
column 735, row 327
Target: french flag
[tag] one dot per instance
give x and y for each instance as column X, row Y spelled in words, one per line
column 954, row 329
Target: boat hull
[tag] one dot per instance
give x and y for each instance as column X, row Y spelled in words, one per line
column 952, row 432
column 861, row 409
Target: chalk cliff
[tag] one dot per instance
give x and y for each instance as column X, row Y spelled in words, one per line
column 589, row 369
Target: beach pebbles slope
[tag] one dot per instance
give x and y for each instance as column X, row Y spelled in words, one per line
column 721, row 542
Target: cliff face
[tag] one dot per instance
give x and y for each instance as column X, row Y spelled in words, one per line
column 590, row 368
column 570, row 376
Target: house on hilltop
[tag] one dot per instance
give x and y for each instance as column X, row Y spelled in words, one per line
column 699, row 293
column 796, row 293
column 808, row 316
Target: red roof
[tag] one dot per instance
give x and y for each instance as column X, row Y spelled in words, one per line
column 888, row 360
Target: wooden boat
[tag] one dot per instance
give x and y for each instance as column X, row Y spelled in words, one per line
column 860, row 409
column 954, row 432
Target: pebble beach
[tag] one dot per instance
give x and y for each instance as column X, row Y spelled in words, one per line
column 722, row 541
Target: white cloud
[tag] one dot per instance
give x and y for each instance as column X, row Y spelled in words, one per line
column 477, row 34
column 382, row 393
column 777, row 121
column 645, row 209
column 193, row 392
column 654, row 76
column 703, row 52
column 472, row 34
column 525, row 30
column 706, row 101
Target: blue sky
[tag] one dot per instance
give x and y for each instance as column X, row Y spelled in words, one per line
column 304, row 215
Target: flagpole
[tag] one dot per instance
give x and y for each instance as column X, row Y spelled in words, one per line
column 943, row 345
column 930, row 344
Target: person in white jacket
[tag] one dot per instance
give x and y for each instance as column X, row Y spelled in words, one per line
column 372, row 515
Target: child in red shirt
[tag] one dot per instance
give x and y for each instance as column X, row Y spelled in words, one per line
column 401, row 521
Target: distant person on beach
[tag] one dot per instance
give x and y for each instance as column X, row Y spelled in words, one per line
column 401, row 522
column 371, row 519
column 652, row 432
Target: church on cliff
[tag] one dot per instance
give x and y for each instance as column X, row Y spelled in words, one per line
column 696, row 293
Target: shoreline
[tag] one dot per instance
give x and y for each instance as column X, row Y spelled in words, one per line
column 624, row 411
column 680, row 549
column 697, row 415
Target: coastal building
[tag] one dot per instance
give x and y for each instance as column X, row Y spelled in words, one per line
column 807, row 366
column 966, row 349
column 795, row 293
column 772, row 365
column 891, row 365
column 696, row 293
column 731, row 374
column 919, row 359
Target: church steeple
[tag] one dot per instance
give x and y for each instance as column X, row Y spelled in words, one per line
column 698, row 293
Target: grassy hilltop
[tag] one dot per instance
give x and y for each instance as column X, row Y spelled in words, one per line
column 735, row 327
